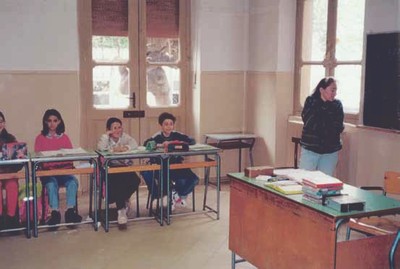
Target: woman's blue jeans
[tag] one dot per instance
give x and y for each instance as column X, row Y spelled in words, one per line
column 326, row 163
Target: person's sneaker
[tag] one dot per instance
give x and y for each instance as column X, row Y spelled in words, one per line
column 71, row 216
column 127, row 206
column 122, row 218
column 182, row 201
column 173, row 205
column 55, row 218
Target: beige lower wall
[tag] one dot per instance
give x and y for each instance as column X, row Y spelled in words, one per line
column 222, row 111
column 224, row 107
column 26, row 95
column 269, row 104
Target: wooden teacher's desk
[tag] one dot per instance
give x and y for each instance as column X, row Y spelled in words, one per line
column 72, row 155
column 272, row 230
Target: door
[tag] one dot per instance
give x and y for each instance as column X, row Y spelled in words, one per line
column 134, row 65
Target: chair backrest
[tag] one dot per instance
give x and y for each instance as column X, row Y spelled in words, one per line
column 296, row 141
column 392, row 182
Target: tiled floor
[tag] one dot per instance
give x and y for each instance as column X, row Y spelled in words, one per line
column 197, row 241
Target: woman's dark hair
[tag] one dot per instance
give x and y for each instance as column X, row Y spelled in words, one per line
column 52, row 112
column 110, row 121
column 166, row 116
column 324, row 83
column 3, row 134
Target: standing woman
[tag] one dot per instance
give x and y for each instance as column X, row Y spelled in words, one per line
column 52, row 137
column 121, row 186
column 323, row 123
column 10, row 185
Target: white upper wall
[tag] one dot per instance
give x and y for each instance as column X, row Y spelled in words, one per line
column 38, row 35
column 223, row 41
column 254, row 35
column 382, row 16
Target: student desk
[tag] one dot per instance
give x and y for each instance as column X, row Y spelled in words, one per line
column 21, row 174
column 38, row 158
column 198, row 150
column 233, row 141
column 139, row 153
column 272, row 230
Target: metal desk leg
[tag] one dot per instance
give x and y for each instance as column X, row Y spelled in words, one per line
column 393, row 250
column 35, row 220
column 240, row 160
column 94, row 189
column 337, row 225
column 217, row 157
column 234, row 261
column 27, row 201
column 107, row 224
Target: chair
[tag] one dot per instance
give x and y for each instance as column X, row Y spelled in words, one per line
column 373, row 226
column 296, row 141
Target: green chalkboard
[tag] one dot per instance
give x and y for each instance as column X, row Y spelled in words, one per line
column 382, row 81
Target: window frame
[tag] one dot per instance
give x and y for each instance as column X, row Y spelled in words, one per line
column 329, row 62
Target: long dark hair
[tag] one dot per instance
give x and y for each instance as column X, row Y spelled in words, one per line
column 323, row 83
column 3, row 133
column 5, row 137
column 52, row 112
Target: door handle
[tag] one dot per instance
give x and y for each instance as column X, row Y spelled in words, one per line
column 133, row 98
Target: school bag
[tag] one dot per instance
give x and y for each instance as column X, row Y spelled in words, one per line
column 43, row 209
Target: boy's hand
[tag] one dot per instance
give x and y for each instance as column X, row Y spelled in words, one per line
column 119, row 148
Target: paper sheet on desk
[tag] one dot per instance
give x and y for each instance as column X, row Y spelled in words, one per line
column 200, row 147
column 49, row 153
column 263, row 178
column 139, row 149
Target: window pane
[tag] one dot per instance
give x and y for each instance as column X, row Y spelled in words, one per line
column 310, row 76
column 314, row 30
column 112, row 49
column 349, row 87
column 350, row 30
column 110, row 87
column 163, row 86
column 162, row 50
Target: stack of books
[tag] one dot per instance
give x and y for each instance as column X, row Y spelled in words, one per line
column 317, row 186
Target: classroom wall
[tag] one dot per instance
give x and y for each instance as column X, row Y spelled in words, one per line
column 39, row 65
column 243, row 58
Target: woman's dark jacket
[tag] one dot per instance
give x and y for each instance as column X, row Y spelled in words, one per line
column 323, row 124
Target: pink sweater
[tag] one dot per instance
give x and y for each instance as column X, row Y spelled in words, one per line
column 44, row 143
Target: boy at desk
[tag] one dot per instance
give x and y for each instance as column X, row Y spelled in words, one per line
column 184, row 180
column 121, row 186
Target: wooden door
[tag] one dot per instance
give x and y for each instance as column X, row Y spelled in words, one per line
column 134, row 65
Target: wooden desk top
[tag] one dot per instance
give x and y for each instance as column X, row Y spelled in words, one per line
column 375, row 204
column 230, row 136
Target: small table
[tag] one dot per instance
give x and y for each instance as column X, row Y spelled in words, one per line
column 27, row 198
column 233, row 141
column 57, row 156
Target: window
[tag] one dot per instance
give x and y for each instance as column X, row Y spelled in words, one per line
column 330, row 36
column 113, row 60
